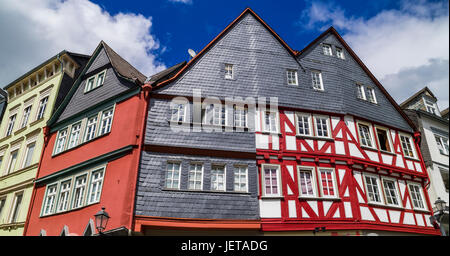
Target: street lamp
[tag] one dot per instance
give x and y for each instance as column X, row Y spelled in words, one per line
column 440, row 205
column 101, row 220
column 439, row 215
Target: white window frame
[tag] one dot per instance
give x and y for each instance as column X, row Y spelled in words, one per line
column 333, row 176
column 85, row 190
column 26, row 115
column 224, row 178
column 196, row 171
column 239, row 168
column 173, row 174
column 316, row 127
column 379, row 189
column 310, row 125
column 422, row 197
column 110, row 117
column 27, row 153
column 371, row 92
column 327, row 50
column 229, row 71
column 76, row 142
column 278, row 177
column 388, row 135
column 12, row 166
column 430, row 105
column 42, row 107
column 46, row 197
column 292, row 77
column 340, row 53
column 209, row 115
column 269, row 129
column 443, row 141
column 58, row 147
column 175, row 117
column 361, row 94
column 370, row 130
column 312, row 170
column 94, row 124
column 101, row 180
column 396, row 191
column 11, row 123
column 411, row 143
column 67, row 198
column 313, row 78
column 15, row 207
column 243, row 112
column 95, row 84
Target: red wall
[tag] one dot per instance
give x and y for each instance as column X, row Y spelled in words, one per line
column 119, row 181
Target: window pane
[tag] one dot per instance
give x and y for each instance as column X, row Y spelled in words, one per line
column 29, row 154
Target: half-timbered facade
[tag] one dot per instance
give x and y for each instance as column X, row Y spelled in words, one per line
column 324, row 145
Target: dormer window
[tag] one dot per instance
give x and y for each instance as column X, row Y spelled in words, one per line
column 228, row 71
column 95, row 81
column 327, row 49
column 430, row 107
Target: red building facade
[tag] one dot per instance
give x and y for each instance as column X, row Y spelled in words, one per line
column 91, row 155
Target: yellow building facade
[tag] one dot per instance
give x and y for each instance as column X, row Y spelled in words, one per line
column 32, row 98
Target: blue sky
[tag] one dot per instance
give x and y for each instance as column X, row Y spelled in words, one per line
column 404, row 43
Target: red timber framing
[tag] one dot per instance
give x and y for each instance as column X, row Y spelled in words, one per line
column 350, row 162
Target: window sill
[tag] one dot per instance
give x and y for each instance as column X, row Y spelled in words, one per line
column 5, row 138
column 272, row 197
column 369, row 148
column 68, row 211
column 411, row 158
column 397, row 207
column 387, row 152
column 376, row 204
column 271, row 133
column 313, row 137
column 205, row 191
column 20, row 130
column 421, row 210
column 37, row 121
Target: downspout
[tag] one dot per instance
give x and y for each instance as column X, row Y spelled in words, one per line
column 146, row 91
column 46, row 131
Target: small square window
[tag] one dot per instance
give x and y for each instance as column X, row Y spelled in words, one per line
column 339, row 53
column 360, row 92
column 327, row 49
column 317, row 80
column 229, row 71
column 371, row 95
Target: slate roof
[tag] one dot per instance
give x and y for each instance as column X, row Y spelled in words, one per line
column 166, row 74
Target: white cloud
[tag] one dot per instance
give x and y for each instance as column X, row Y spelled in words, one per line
column 34, row 30
column 394, row 42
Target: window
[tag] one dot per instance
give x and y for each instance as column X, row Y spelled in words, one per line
column 214, row 114
column 91, row 128
column 442, row 144
column 105, row 124
column 50, row 199
column 303, row 124
column 196, row 176
column 406, row 146
column 74, row 135
column 373, row 189
column 16, row 207
column 228, row 71
column 79, row 190
column 306, row 181
column 271, row 180
column 444, row 175
column 178, row 113
column 339, row 53
column 240, row 116
column 240, row 179
column 365, row 136
column 95, row 81
column 371, row 95
column 322, row 127
column 63, row 201
column 42, row 107
column 327, row 49
column 26, row 115
column 270, row 122
column 292, row 77
column 328, row 184
column 61, row 142
column 29, row 154
column 218, row 177
column 430, row 107
column 95, row 186
column 383, row 139
column 12, row 120
column 360, row 92
column 416, row 196
column 390, row 191
column 317, row 80
column 2, row 204
column 173, row 175
column 12, row 161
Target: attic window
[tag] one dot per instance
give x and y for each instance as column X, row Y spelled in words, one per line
column 371, row 95
column 95, row 81
column 339, row 53
column 327, row 49
column 430, row 107
column 228, row 71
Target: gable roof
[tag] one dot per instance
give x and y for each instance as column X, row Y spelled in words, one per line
column 121, row 67
column 165, row 73
column 444, row 113
column 415, row 95
column 292, row 52
column 333, row 31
